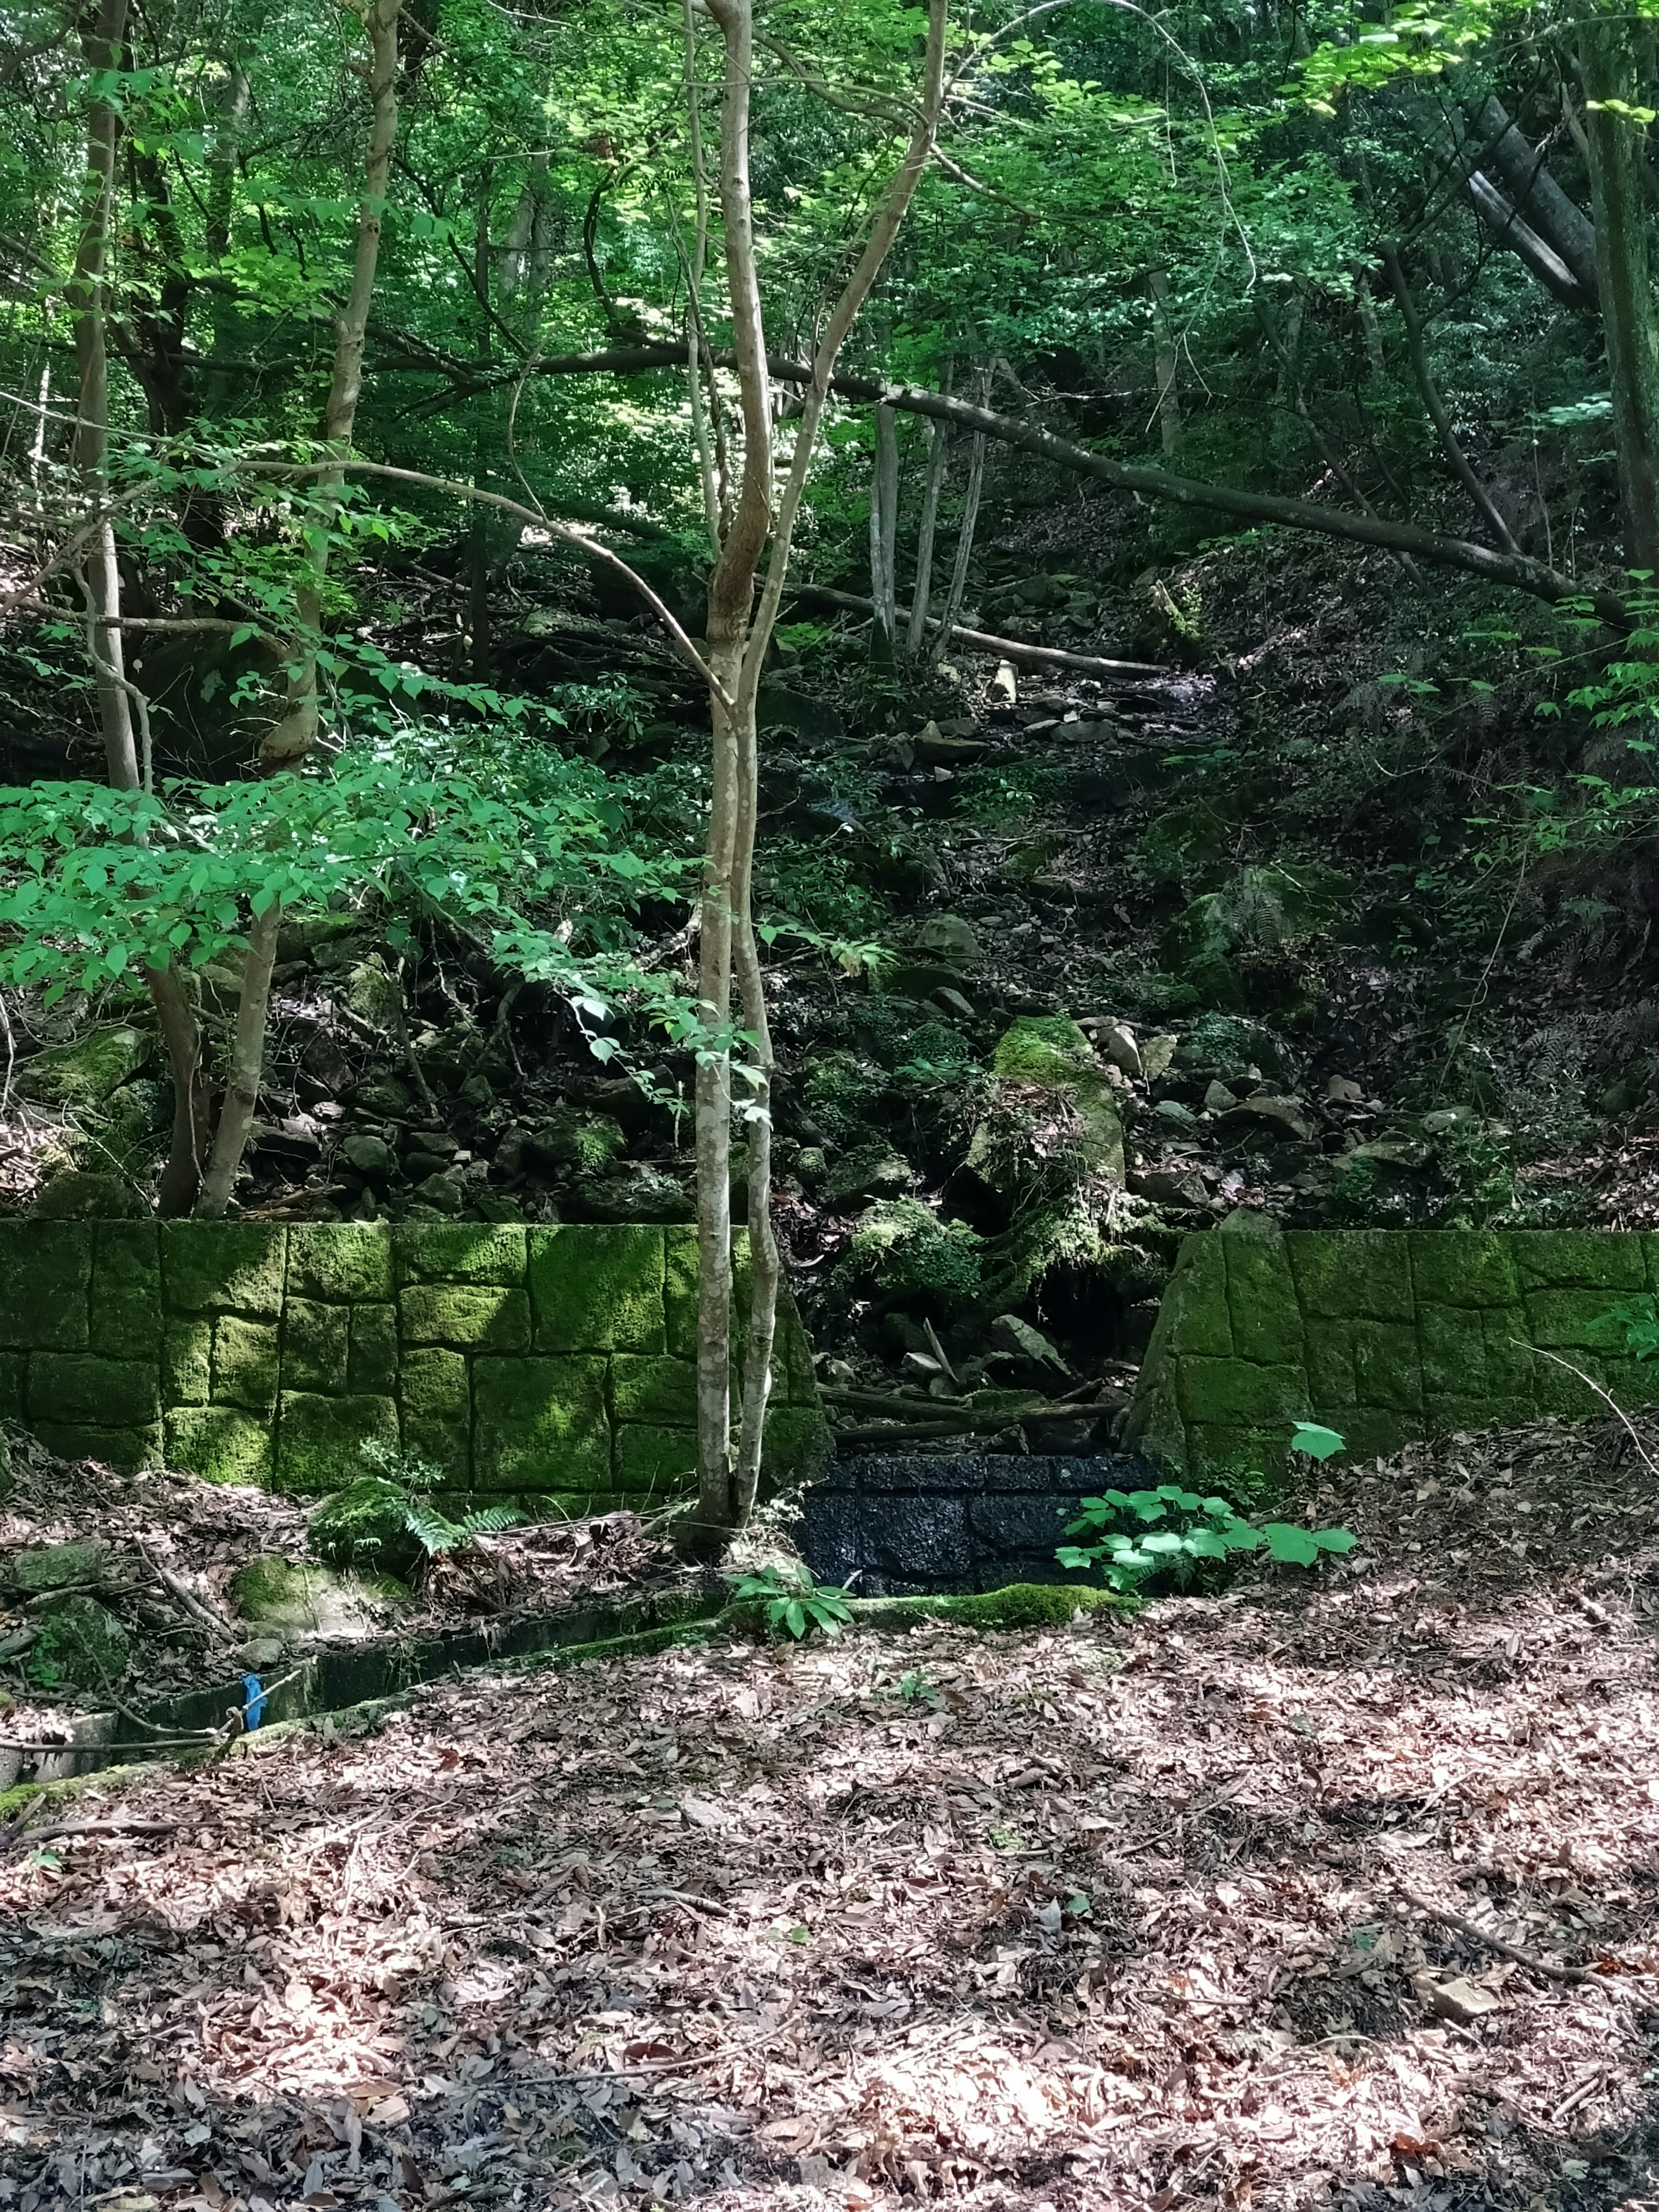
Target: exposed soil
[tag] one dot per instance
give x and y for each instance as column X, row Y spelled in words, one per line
column 1145, row 1915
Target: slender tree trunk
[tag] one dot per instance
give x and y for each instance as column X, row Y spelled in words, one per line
column 1370, row 331
column 1624, row 279
column 937, row 449
column 958, row 592
column 477, row 591
column 883, row 531
column 739, row 633
column 1438, row 413
column 1164, row 339
column 294, row 737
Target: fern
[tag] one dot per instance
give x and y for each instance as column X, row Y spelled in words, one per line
column 436, row 1534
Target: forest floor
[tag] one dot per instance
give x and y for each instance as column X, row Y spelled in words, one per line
column 1178, row 1908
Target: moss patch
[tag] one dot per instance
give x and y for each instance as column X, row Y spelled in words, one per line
column 462, row 1252
column 599, row 1291
column 339, row 1264
column 320, row 1440
column 46, row 1272
column 224, row 1267
column 220, row 1445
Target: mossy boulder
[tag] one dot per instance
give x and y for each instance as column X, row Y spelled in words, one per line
column 55, row 1566
column 1012, row 1147
column 83, row 1073
column 305, row 1601
column 364, row 1525
column 898, row 1245
column 80, row 1196
column 81, row 1643
column 570, row 1142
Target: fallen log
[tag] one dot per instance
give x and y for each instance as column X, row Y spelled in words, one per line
column 1006, row 648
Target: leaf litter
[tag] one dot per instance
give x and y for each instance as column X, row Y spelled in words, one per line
column 1188, row 1909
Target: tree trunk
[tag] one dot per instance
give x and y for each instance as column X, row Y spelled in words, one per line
column 939, row 444
column 1163, row 339
column 883, row 531
column 958, row 592
column 1438, row 413
column 1624, row 281
column 1526, row 175
column 739, row 633
column 296, row 736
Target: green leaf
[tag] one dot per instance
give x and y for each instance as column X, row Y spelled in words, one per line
column 1317, row 1442
column 1294, row 1546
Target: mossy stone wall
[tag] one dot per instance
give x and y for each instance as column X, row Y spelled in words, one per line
column 553, row 1360
column 1383, row 1335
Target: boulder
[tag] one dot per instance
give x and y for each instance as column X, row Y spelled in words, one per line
column 950, row 938
column 83, row 1073
column 1115, row 1042
column 46, row 1567
column 571, row 1141
column 444, row 1192
column 370, row 1156
column 81, row 1643
column 873, row 1171
column 77, row 1196
column 1265, row 1110
column 364, row 1525
column 305, row 1601
column 1156, row 1055
column 633, row 1190
column 1048, row 1052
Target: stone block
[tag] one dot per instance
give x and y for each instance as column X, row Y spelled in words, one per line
column 653, row 1462
column 220, row 1445
column 1458, row 1411
column 338, row 1263
column 81, row 1387
column 1511, row 1370
column 127, row 1449
column 14, row 1381
column 917, row 1537
column 124, row 1312
column 1353, row 1274
column 373, row 1361
column 679, row 1275
column 1155, row 1427
column 1452, row 1343
column 224, row 1267
column 187, row 1363
column 1328, row 1352
column 247, row 1364
column 320, row 1440
column 1232, row 1393
column 1460, row 1268
column 597, row 1289
column 466, row 1316
column 436, row 1398
column 1196, row 1300
column 654, row 1389
column 918, row 1471
column 1266, row 1321
column 831, row 1533
column 488, row 1252
column 796, row 1444
column 1557, row 1391
column 1578, row 1259
column 540, row 1424
column 46, row 1274
column 1374, row 1431
column 1218, row 1450
column 1387, row 1369
column 316, row 1345
column 1571, row 1321
column 795, row 1378
column 1019, row 1527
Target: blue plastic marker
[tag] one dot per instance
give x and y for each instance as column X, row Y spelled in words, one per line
column 253, row 1710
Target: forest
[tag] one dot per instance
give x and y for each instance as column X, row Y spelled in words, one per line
column 828, row 1105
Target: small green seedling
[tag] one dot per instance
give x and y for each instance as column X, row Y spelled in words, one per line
column 796, row 1601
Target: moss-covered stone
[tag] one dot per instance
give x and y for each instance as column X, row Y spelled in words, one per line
column 85, row 1072
column 1456, row 1267
column 330, row 1602
column 462, row 1252
column 540, row 1424
column 81, row 1643
column 81, row 1387
column 436, row 1394
column 373, row 1361
column 43, row 1567
column 467, row 1316
column 1359, row 1274
column 598, row 1289
column 1197, row 1298
column 247, row 1364
column 1578, row 1259
column 1452, row 1342
column 1386, row 1367
column 45, row 1274
column 124, row 1319
column 661, row 1390
column 14, row 1379
column 364, row 1525
column 338, row 1263
column 220, row 1445
column 1570, row 1321
column 1021, row 1605
column 320, row 1440
column 316, row 1345
column 187, row 1363
column 224, row 1267
column 1050, row 1053
column 796, row 1443
column 1328, row 1355
column 1266, row 1321
column 1234, row 1392
column 652, row 1463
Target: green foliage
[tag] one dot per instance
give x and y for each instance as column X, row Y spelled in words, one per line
column 1633, row 1326
column 411, row 1482
column 795, row 1601
column 1171, row 1532
column 898, row 1245
column 1314, row 1442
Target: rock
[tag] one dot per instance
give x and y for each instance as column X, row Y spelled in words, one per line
column 493, row 1206
column 1234, row 1047
column 633, row 1190
column 1266, row 1109
column 1339, row 1091
column 1156, row 1055
column 83, row 1073
column 445, row 1192
column 418, row 1165
column 1626, row 1095
column 375, row 996
column 1005, row 685
column 370, row 1156
column 75, row 1196
column 1442, row 1122
column 873, row 1171
column 1116, row 1043
column 1168, row 1187
column 1046, row 1052
column 364, row 1525
column 1172, row 1111
column 1218, row 1099
column 81, row 1642
column 1393, row 1150
column 810, row 1166
column 935, row 749
column 950, row 939
column 950, row 1000
column 1116, row 1078
column 572, row 1141
column 1249, row 1221
column 296, row 1140
column 305, row 1601
column 55, row 1566
column 1459, row 1999
column 1029, row 1343
column 383, row 1095
column 260, row 1654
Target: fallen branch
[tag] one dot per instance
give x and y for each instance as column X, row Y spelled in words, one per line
column 193, row 1605
column 1507, row 1950
column 1590, row 1384
column 1006, row 648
